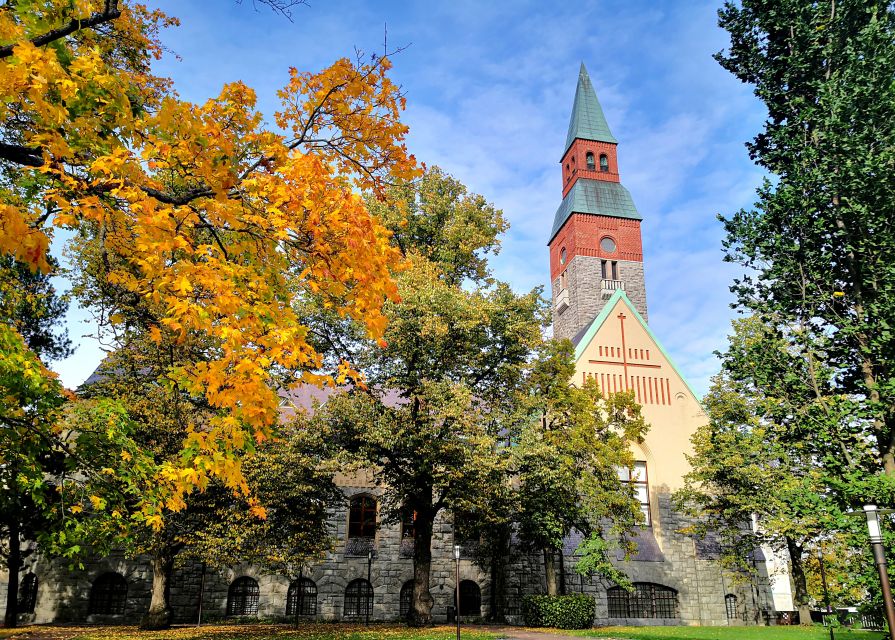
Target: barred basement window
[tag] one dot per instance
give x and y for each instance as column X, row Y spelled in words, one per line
column 362, row 517
column 730, row 604
column 28, row 593
column 648, row 600
column 358, row 598
column 301, row 599
column 470, row 599
column 108, row 595
column 242, row 597
column 406, row 599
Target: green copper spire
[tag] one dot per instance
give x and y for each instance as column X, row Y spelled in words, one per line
column 588, row 121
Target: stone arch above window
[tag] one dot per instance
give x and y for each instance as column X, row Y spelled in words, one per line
column 604, row 162
column 362, row 517
column 648, row 600
column 301, row 599
column 589, row 160
column 406, row 599
column 470, row 599
column 358, row 599
column 108, row 595
column 28, row 593
column 243, row 597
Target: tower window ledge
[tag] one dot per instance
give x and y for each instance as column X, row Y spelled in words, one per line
column 562, row 301
column 611, row 286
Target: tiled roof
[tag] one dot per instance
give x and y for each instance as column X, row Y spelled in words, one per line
column 588, row 121
column 597, row 197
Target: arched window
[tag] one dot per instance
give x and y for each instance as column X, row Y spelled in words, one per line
column 301, row 599
column 604, row 162
column 28, row 593
column 470, row 599
column 406, row 599
column 730, row 604
column 362, row 517
column 358, row 598
column 589, row 159
column 242, row 597
column 108, row 595
column 648, row 600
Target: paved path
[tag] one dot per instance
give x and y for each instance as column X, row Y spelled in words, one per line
column 515, row 633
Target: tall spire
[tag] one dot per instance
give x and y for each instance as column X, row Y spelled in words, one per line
column 588, row 121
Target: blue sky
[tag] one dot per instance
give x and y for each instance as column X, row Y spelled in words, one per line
column 489, row 89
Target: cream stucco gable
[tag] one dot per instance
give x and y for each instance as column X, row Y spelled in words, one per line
column 620, row 352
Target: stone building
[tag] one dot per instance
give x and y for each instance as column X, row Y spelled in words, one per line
column 600, row 303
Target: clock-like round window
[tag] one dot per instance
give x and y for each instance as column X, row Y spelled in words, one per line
column 607, row 244
column 562, row 255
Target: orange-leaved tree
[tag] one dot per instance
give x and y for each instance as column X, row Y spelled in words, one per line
column 201, row 223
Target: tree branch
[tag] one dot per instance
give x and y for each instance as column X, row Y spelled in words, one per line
column 111, row 12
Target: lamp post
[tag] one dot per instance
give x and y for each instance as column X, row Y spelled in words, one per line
column 457, row 588
column 879, row 557
column 823, row 580
column 369, row 600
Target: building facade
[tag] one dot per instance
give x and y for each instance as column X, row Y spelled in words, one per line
column 600, row 304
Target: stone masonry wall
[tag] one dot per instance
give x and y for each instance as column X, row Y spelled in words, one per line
column 63, row 593
column 584, row 284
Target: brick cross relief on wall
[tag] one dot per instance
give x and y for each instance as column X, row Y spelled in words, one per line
column 634, row 364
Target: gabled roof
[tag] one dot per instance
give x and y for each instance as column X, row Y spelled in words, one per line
column 583, row 338
column 598, row 197
column 588, row 121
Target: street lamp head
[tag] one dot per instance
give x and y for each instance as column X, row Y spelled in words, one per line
column 456, row 552
column 872, row 515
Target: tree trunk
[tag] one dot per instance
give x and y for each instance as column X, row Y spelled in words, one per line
column 550, row 572
column 13, row 565
column 799, row 581
column 159, row 615
column 497, row 610
column 421, row 605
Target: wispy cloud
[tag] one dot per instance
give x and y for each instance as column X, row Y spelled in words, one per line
column 490, row 88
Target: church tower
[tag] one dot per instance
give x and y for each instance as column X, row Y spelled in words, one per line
column 595, row 246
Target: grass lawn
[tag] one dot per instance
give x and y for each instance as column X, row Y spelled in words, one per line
column 244, row 632
column 725, row 633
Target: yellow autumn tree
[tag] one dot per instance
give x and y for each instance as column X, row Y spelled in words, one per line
column 195, row 222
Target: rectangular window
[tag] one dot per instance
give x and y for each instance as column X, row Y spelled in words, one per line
column 638, row 478
column 603, row 270
column 614, row 270
column 562, row 281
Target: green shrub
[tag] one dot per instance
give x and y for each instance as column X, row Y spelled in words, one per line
column 563, row 612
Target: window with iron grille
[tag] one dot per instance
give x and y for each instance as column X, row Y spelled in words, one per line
column 730, row 604
column 108, row 595
column 301, row 599
column 358, row 598
column 406, row 599
column 28, row 593
column 470, row 599
column 242, row 597
column 362, row 517
column 648, row 600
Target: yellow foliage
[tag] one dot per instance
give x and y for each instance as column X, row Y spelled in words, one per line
column 217, row 225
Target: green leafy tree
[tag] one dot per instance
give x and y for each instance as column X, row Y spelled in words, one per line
column 443, row 378
column 566, row 466
column 820, row 240
column 779, row 447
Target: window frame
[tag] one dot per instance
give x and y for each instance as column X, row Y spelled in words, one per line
column 728, row 599
column 106, row 601
column 648, row 601
column 405, row 600
column 604, row 163
column 357, row 605
column 627, row 477
column 362, row 528
column 301, row 598
column 243, row 597
column 590, row 161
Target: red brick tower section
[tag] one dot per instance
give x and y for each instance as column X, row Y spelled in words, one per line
column 595, row 246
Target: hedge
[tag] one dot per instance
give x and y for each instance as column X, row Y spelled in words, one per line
column 562, row 612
